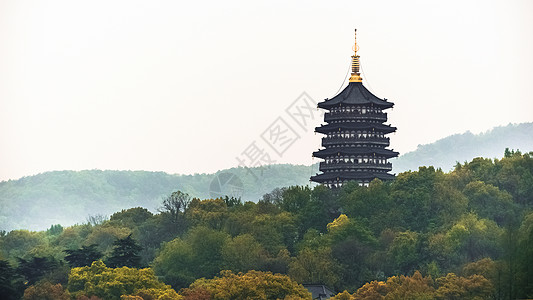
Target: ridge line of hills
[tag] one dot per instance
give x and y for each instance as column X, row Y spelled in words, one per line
column 69, row 197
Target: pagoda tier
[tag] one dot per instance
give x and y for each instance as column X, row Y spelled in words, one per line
column 350, row 125
column 355, row 142
column 339, row 179
column 355, row 94
column 352, row 151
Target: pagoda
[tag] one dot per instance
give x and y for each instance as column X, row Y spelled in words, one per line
column 355, row 142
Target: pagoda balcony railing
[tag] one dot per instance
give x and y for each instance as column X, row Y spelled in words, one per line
column 354, row 115
column 350, row 141
column 349, row 165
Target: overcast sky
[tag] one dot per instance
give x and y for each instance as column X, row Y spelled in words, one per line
column 188, row 87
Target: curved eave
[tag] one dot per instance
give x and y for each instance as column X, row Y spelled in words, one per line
column 355, row 94
column 355, row 126
column 355, row 151
column 341, row 176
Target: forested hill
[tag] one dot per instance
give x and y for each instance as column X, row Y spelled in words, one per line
column 69, row 197
column 446, row 152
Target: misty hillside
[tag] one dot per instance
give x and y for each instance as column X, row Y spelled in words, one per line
column 69, row 197
column 446, row 152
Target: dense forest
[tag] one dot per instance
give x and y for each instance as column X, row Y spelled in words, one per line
column 429, row 234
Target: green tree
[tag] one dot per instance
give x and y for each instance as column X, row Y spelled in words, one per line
column 404, row 253
column 131, row 218
column 315, row 266
column 105, row 236
column 242, row 253
column 11, row 286
column 83, row 256
column 36, row 268
column 524, row 271
column 489, row 202
column 175, row 263
column 475, row 238
column 211, row 213
column 198, row 254
column 125, row 253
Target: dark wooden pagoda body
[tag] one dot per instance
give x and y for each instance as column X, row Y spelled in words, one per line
column 355, row 142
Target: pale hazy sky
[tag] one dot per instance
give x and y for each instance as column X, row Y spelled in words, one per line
column 186, row 87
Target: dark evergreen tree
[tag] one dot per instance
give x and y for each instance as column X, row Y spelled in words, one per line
column 82, row 257
column 125, row 254
column 36, row 267
column 11, row 287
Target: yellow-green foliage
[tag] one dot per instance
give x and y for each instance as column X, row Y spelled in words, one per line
column 417, row 287
column 108, row 283
column 251, row 285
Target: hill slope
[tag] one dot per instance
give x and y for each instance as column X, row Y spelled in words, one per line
column 68, row 197
column 446, row 152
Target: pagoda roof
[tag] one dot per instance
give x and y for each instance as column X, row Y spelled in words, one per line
column 368, row 175
column 354, row 126
column 355, row 94
column 354, row 151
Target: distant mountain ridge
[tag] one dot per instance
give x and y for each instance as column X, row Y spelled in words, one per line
column 69, row 197
column 446, row 152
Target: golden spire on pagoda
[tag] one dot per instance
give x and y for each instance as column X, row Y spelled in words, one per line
column 356, row 77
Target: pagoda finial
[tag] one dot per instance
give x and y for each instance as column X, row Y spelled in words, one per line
column 356, row 77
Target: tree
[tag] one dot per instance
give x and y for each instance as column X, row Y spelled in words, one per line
column 96, row 220
column 275, row 231
column 176, row 205
column 250, row 285
column 131, row 218
column 11, row 286
column 242, row 253
column 55, row 229
column 315, row 266
column 401, row 287
column 36, row 268
column 82, row 257
column 524, row 272
column 475, row 238
column 211, row 213
column 125, row 253
column 403, row 252
column 46, row 291
column 175, row 263
column 198, row 254
column 470, row 288
column 105, row 235
column 18, row 243
column 489, row 202
column 112, row 283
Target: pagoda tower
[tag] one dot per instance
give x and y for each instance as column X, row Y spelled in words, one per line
column 355, row 142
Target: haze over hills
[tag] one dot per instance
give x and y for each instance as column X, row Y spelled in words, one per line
column 446, row 152
column 69, row 197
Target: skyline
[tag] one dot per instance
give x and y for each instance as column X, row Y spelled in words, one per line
column 165, row 86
